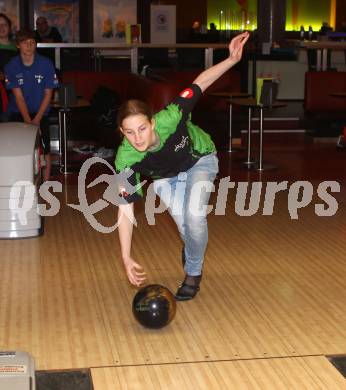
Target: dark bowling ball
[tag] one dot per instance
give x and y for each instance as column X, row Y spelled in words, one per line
column 154, row 306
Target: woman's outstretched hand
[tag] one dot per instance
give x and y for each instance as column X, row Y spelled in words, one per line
column 134, row 272
column 236, row 46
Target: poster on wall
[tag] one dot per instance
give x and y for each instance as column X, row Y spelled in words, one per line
column 11, row 9
column 111, row 18
column 62, row 14
column 163, row 24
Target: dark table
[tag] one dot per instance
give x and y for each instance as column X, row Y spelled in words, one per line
column 252, row 104
column 230, row 95
column 63, row 113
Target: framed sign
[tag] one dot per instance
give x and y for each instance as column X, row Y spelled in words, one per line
column 163, row 24
column 111, row 18
column 62, row 14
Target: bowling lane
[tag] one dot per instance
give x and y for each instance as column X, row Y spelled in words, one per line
column 257, row 299
column 284, row 373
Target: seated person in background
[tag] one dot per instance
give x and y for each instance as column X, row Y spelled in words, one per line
column 8, row 50
column 325, row 29
column 45, row 33
column 7, row 45
column 31, row 78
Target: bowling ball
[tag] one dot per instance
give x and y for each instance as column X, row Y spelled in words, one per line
column 154, row 306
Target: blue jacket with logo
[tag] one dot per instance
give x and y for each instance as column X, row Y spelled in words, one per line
column 32, row 80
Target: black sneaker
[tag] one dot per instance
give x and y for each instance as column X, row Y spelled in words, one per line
column 189, row 288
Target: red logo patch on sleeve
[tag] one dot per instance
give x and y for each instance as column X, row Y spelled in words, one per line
column 187, row 93
column 122, row 192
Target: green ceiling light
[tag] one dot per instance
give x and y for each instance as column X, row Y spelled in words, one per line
column 242, row 14
column 307, row 13
column 236, row 14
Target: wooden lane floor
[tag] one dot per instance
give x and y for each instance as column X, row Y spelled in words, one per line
column 270, row 307
column 271, row 374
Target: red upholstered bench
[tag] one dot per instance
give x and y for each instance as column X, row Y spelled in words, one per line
column 156, row 91
column 211, row 112
column 319, row 87
column 230, row 81
column 87, row 82
column 127, row 85
column 325, row 114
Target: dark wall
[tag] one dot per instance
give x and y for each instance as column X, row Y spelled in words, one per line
column 143, row 17
column 187, row 11
column 85, row 21
column 26, row 13
column 271, row 20
column 340, row 14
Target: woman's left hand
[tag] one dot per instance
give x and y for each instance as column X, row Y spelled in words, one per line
column 236, row 46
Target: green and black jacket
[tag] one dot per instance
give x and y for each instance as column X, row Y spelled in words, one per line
column 182, row 144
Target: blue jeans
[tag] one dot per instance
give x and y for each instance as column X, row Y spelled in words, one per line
column 186, row 197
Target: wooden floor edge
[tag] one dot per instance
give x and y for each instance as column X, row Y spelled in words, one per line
column 211, row 361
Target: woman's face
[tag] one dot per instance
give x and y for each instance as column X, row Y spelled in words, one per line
column 4, row 29
column 139, row 131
